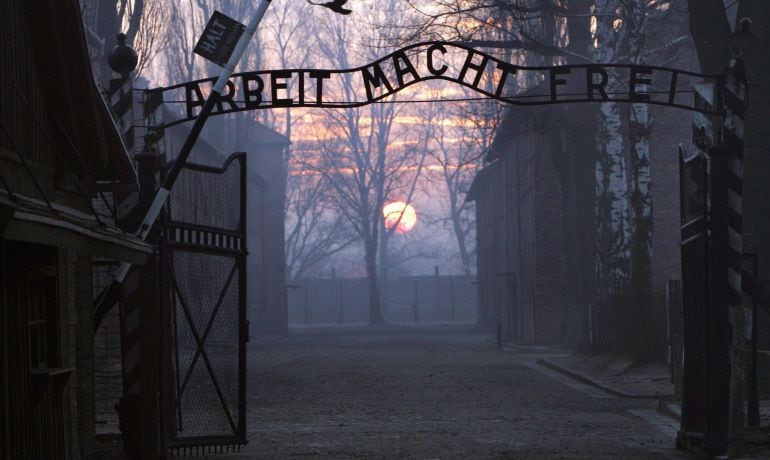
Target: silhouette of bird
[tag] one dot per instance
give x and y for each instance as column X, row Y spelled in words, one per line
column 334, row 5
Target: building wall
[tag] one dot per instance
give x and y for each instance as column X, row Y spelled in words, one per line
column 671, row 128
column 550, row 262
column 46, row 407
column 536, row 236
column 54, row 141
column 488, row 293
column 267, row 162
column 529, row 153
column 22, row 108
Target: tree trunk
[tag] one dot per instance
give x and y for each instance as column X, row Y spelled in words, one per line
column 612, row 233
column 639, row 327
column 462, row 247
column 641, row 320
column 135, row 21
column 612, row 226
column 710, row 30
column 375, row 307
column 576, row 164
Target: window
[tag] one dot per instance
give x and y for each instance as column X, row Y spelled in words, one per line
column 40, row 299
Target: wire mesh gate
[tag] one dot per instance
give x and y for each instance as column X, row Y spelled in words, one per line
column 204, row 279
column 695, row 298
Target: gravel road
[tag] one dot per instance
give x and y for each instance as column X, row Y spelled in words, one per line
column 432, row 393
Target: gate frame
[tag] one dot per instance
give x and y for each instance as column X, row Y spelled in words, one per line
column 169, row 398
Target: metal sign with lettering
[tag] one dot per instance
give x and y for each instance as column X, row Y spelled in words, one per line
column 459, row 64
column 219, row 38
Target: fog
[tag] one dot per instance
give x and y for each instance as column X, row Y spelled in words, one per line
column 420, row 229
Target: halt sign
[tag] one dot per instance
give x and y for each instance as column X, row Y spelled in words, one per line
column 219, row 38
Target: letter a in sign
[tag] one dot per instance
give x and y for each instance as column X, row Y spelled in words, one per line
column 219, row 38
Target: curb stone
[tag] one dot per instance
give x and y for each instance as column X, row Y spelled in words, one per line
column 601, row 385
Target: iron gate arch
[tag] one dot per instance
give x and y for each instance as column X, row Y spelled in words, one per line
column 203, row 258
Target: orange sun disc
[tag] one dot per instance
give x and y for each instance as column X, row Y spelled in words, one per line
column 399, row 210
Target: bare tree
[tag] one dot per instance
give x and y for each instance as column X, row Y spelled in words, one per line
column 360, row 160
column 584, row 31
column 613, row 230
column 460, row 136
column 315, row 230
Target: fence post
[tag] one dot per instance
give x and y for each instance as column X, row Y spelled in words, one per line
column 452, row 299
column 749, row 278
column 436, row 294
column 306, row 285
column 341, row 316
column 674, row 306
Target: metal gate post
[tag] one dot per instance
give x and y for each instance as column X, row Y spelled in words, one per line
column 696, row 290
column 718, row 327
column 713, row 399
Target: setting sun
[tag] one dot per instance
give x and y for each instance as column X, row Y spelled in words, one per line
column 399, row 210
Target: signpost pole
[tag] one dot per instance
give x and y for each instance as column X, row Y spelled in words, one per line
column 110, row 295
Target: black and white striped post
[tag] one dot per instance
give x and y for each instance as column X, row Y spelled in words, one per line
column 132, row 327
column 121, row 101
column 727, row 242
column 727, row 161
column 712, row 243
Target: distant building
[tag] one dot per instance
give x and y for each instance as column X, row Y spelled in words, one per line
column 520, row 232
column 60, row 158
column 535, row 226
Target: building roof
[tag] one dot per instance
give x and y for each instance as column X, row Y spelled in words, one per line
column 525, row 119
column 213, row 147
column 60, row 44
column 36, row 222
column 82, row 135
column 481, row 180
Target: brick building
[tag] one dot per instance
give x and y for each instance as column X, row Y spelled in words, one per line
column 60, row 157
column 535, row 220
column 520, row 230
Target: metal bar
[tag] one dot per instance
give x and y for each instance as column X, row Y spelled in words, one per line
column 242, row 313
column 109, row 296
column 7, row 187
column 31, row 175
column 77, row 152
column 208, row 325
column 389, row 57
column 173, row 224
column 59, row 154
column 206, row 249
column 196, row 336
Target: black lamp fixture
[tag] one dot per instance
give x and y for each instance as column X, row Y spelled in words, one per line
column 122, row 59
column 701, row 138
column 743, row 43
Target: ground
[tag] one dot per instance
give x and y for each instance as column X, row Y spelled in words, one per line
column 432, row 393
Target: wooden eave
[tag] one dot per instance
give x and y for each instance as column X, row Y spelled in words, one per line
column 34, row 222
